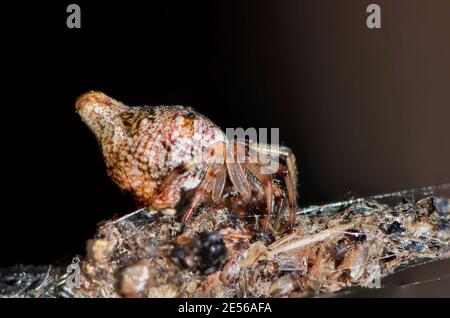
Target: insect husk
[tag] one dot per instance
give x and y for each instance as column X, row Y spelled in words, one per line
column 364, row 241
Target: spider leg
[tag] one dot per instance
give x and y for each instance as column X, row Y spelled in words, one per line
column 203, row 189
column 281, row 151
column 236, row 172
column 290, row 173
column 266, row 181
column 219, row 184
column 169, row 191
column 292, row 198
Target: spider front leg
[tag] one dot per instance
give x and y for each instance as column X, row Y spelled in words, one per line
column 213, row 182
column 292, row 197
column 168, row 193
column 221, row 164
column 248, row 163
column 279, row 151
column 289, row 171
column 266, row 181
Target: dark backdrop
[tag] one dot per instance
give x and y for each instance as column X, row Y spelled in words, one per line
column 364, row 110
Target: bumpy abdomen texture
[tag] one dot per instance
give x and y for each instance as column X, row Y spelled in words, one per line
column 147, row 143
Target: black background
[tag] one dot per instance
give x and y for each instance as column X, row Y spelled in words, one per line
column 364, row 110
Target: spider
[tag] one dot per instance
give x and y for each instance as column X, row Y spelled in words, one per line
column 152, row 152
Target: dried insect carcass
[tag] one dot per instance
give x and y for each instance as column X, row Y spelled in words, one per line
column 205, row 253
column 357, row 246
column 354, row 243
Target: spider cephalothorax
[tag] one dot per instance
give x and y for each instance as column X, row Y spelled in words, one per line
column 158, row 152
